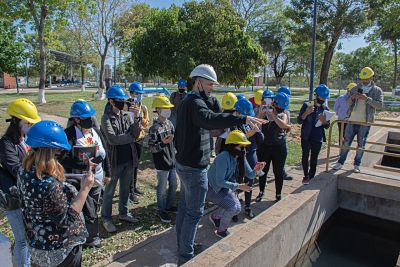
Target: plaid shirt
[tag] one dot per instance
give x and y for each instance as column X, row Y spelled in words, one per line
column 163, row 154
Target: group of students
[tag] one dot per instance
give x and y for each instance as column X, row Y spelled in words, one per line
column 54, row 187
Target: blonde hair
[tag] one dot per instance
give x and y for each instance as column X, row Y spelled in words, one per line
column 45, row 163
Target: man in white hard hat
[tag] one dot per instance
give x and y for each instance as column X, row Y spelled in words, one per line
column 194, row 122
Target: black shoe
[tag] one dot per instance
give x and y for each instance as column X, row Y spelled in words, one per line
column 134, row 198
column 222, row 234
column 288, row 177
column 172, row 209
column 215, row 222
column 198, row 248
column 260, row 196
column 164, row 217
column 138, row 192
column 95, row 243
column 235, row 218
column 278, row 197
column 249, row 213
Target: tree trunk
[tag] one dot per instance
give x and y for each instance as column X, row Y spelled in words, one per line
column 42, row 72
column 395, row 64
column 326, row 63
column 100, row 93
column 83, row 89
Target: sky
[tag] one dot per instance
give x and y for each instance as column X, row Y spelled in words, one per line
column 348, row 45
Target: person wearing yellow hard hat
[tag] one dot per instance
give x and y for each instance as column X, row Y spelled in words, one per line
column 363, row 100
column 13, row 150
column 257, row 98
column 224, row 180
column 341, row 107
column 161, row 145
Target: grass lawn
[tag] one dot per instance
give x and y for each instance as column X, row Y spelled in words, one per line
column 128, row 235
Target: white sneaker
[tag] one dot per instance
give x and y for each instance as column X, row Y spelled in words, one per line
column 128, row 218
column 109, row 226
column 357, row 169
column 337, row 166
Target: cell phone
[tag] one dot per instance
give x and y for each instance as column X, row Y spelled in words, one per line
column 360, row 90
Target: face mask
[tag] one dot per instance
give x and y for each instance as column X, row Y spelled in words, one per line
column 181, row 91
column 86, row 124
column 60, row 154
column 268, row 101
column 278, row 109
column 166, row 113
column 119, row 104
column 240, row 153
column 366, row 88
column 25, row 129
column 203, row 93
column 320, row 101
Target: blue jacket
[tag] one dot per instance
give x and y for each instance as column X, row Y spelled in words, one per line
column 308, row 130
column 223, row 172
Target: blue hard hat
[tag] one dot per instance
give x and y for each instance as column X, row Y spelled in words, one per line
column 136, row 87
column 81, row 109
column 240, row 96
column 47, row 134
column 244, row 107
column 285, row 90
column 322, row 91
column 268, row 94
column 182, row 83
column 282, row 100
column 116, row 92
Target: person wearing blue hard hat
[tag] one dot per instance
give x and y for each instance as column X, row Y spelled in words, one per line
column 135, row 106
column 267, row 98
column 313, row 134
column 274, row 147
column 51, row 208
column 285, row 90
column 176, row 99
column 120, row 132
column 83, row 134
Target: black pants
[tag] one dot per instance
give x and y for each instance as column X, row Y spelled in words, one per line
column 276, row 154
column 310, row 163
column 139, row 149
column 74, row 258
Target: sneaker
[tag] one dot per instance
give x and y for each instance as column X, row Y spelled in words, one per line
column 172, row 209
column 278, row 198
column 109, row 226
column 95, row 243
column 164, row 217
column 288, row 177
column 235, row 218
column 260, row 196
column 134, row 198
column 306, row 180
column 222, row 234
column 216, row 222
column 357, row 169
column 138, row 192
column 337, row 166
column 128, row 218
column 249, row 213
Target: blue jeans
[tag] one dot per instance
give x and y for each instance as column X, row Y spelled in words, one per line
column 21, row 252
column 351, row 131
column 123, row 173
column 194, row 185
column 166, row 197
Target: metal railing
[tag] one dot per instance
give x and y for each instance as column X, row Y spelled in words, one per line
column 395, row 124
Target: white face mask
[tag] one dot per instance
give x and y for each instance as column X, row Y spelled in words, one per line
column 268, row 101
column 25, row 128
column 166, row 113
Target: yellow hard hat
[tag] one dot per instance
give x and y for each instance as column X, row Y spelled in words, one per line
column 228, row 101
column 161, row 102
column 237, row 137
column 23, row 109
column 351, row 86
column 366, row 73
column 258, row 97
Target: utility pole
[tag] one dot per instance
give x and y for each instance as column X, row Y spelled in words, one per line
column 115, row 64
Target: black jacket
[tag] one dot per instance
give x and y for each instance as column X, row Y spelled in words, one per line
column 194, row 122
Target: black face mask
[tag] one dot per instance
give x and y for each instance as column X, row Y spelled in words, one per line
column 60, row 155
column 278, row 109
column 119, row 104
column 240, row 153
column 320, row 101
column 86, row 124
column 181, row 91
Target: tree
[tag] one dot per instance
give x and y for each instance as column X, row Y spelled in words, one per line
column 101, row 29
column 385, row 14
column 44, row 16
column 175, row 40
column 335, row 19
column 11, row 48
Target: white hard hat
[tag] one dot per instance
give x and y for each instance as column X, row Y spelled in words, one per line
column 205, row 71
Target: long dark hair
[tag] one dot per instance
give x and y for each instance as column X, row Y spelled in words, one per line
column 14, row 131
column 240, row 161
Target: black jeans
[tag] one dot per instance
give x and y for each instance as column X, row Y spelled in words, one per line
column 276, row 154
column 139, row 149
column 310, row 163
column 74, row 258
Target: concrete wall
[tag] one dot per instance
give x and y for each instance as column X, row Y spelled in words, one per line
column 277, row 236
